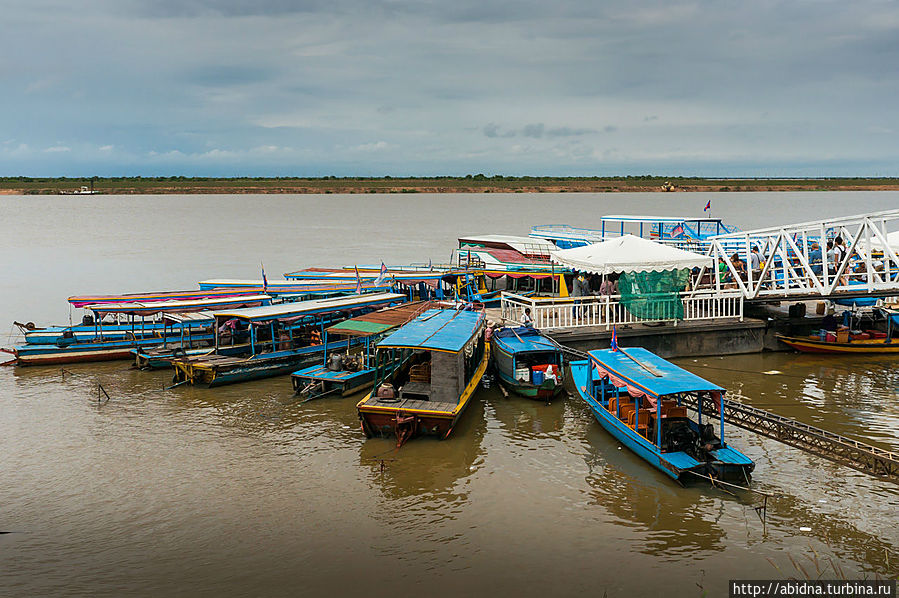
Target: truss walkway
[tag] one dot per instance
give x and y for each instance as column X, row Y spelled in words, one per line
column 794, row 262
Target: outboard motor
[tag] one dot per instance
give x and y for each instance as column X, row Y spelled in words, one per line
column 87, row 320
column 335, row 364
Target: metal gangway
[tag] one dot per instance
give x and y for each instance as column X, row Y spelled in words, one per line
column 862, row 457
column 795, row 263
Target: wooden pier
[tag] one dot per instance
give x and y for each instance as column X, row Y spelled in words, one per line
column 862, row 457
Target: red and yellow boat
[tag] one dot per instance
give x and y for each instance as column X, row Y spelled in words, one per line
column 814, row 344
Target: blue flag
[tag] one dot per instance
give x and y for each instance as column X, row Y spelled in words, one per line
column 708, row 206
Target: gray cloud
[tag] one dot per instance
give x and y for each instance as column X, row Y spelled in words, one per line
column 568, row 87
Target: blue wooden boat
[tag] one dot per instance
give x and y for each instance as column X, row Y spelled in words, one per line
column 638, row 398
column 527, row 363
column 133, row 317
column 343, row 374
column 139, row 325
column 281, row 339
column 443, row 355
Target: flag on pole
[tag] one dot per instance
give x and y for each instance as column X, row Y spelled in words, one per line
column 708, row 206
column 382, row 276
column 430, row 265
column 358, row 281
column 614, row 346
column 264, row 280
column 677, row 231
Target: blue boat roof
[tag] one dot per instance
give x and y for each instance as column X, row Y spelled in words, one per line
column 437, row 329
column 522, row 340
column 626, row 365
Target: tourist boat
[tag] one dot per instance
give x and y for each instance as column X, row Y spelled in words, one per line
column 123, row 326
column 527, row 362
column 849, row 343
column 343, row 374
column 280, row 339
column 160, row 356
column 642, row 400
column 137, row 325
column 295, row 290
column 443, row 355
column 691, row 234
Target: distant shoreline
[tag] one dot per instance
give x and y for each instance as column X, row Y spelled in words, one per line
column 468, row 184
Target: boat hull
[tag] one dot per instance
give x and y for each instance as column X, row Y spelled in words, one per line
column 49, row 354
column 807, row 345
column 210, row 374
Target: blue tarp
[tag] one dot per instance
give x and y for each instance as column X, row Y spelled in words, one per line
column 671, row 379
column 438, row 329
column 528, row 339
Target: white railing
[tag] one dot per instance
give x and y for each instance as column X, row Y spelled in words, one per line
column 608, row 311
column 794, row 260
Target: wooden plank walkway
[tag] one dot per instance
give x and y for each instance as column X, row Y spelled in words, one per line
column 862, row 457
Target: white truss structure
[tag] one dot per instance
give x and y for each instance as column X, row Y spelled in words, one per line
column 792, row 267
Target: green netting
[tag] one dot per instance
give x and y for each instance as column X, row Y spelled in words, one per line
column 654, row 295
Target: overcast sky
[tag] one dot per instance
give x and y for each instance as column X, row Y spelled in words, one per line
column 375, row 87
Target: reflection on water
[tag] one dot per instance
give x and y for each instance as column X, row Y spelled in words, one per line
column 243, row 490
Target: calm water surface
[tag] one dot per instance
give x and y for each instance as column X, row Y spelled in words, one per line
column 243, row 491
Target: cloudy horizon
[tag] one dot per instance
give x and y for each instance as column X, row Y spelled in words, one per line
column 351, row 88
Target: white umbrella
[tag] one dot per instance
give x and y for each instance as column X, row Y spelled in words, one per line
column 628, row 254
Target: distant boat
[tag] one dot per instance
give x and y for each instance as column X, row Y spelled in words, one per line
column 443, row 357
column 84, row 190
column 527, row 362
column 638, row 397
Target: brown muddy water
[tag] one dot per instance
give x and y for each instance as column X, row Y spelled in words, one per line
column 242, row 491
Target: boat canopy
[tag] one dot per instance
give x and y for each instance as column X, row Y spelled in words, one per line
column 85, row 300
column 189, row 317
column 645, row 374
column 162, row 307
column 348, row 274
column 377, row 322
column 292, row 287
column 294, row 311
column 523, row 339
column 438, row 330
column 524, row 245
column 628, row 253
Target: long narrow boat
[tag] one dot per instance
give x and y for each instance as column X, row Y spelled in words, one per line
column 638, row 398
column 528, row 363
column 347, row 373
column 145, row 327
column 296, row 290
column 129, row 317
column 443, row 355
column 280, row 339
column 814, row 344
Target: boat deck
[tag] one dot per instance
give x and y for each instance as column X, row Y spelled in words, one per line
column 412, row 405
column 320, row 372
column 214, row 359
